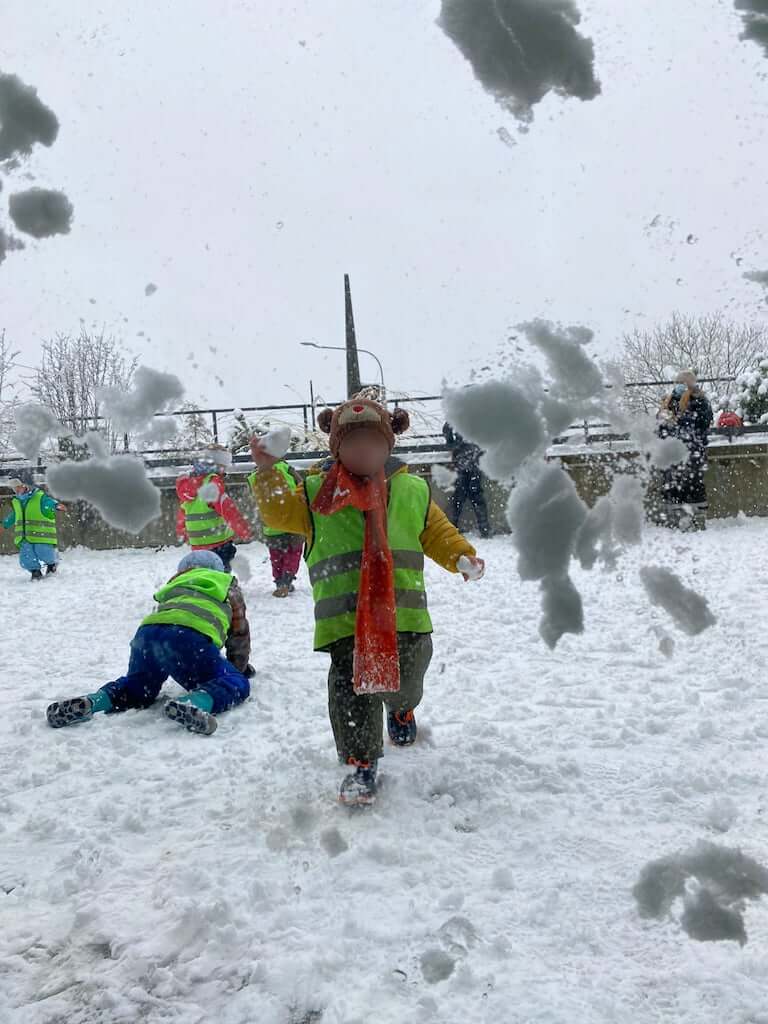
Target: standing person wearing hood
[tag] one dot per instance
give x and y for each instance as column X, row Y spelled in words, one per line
column 208, row 518
column 199, row 610
column 33, row 520
column 687, row 415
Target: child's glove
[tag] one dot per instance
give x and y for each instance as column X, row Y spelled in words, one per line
column 471, row 568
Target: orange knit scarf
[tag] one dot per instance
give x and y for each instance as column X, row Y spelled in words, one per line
column 376, row 659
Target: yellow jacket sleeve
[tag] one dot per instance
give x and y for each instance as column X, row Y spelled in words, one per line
column 442, row 542
column 279, row 506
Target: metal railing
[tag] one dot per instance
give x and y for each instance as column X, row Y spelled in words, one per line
column 218, row 424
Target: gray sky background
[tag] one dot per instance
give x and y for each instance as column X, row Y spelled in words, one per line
column 242, row 157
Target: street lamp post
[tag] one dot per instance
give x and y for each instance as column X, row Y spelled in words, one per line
column 340, row 348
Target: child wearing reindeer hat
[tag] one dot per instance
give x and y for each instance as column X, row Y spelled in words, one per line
column 368, row 524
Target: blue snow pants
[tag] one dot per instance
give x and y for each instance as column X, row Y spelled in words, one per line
column 185, row 655
column 34, row 556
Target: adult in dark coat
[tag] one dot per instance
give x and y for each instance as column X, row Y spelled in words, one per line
column 469, row 480
column 687, row 415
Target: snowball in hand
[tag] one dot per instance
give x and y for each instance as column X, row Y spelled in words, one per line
column 208, row 492
column 276, row 442
column 118, row 487
column 470, row 569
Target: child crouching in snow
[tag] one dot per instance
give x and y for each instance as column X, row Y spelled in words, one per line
column 199, row 610
column 368, row 524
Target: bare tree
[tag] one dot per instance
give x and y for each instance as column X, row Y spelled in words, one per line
column 9, row 400
column 712, row 346
column 71, row 371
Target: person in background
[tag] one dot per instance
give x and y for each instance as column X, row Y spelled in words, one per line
column 686, row 414
column 208, row 518
column 469, row 480
column 284, row 548
column 33, row 519
column 199, row 610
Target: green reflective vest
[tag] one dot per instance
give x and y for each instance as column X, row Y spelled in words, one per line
column 32, row 524
column 196, row 599
column 205, row 527
column 335, row 555
column 285, row 471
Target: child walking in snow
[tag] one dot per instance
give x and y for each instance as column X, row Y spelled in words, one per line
column 284, row 548
column 33, row 518
column 368, row 524
column 207, row 516
column 199, row 610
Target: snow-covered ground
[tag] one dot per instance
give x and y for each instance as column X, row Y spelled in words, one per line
column 150, row 875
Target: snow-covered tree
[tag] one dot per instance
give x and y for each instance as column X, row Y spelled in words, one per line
column 71, row 371
column 748, row 396
column 713, row 346
column 8, row 397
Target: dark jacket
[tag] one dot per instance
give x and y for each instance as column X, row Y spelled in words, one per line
column 691, row 419
column 466, row 456
column 694, row 422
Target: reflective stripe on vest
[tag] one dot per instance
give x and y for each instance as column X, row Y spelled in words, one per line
column 205, row 527
column 32, row 524
column 335, row 555
column 198, row 600
column 285, row 472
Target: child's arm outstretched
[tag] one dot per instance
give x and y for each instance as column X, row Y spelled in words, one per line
column 279, row 507
column 442, row 542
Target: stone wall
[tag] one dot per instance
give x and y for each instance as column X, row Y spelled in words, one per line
column 737, row 481
column 82, row 526
column 737, row 476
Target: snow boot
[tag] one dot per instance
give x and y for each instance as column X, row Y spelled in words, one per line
column 36, row 575
column 401, row 726
column 192, row 717
column 281, row 590
column 51, row 569
column 69, row 712
column 359, row 788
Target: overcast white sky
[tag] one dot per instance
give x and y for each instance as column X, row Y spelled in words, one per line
column 243, row 156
